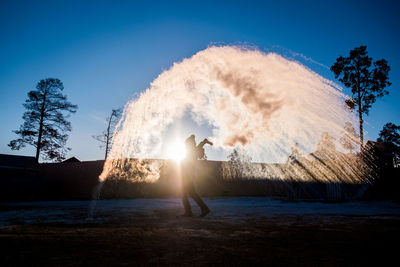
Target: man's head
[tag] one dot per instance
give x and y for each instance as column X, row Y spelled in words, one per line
column 191, row 140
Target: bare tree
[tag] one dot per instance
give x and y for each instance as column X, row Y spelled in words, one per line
column 240, row 163
column 349, row 137
column 107, row 135
column 326, row 146
column 296, row 154
column 45, row 124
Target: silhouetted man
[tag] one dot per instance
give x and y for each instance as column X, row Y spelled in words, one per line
column 193, row 152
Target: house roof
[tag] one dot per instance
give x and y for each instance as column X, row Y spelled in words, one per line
column 16, row 161
column 72, row 159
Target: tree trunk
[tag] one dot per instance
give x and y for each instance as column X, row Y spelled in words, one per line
column 108, row 135
column 38, row 147
column 361, row 129
column 107, row 142
column 361, row 121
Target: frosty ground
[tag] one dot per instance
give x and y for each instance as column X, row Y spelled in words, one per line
column 240, row 231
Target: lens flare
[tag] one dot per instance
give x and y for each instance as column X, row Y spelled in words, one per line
column 176, row 151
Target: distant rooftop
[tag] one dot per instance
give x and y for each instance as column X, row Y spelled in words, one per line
column 16, row 161
column 72, row 159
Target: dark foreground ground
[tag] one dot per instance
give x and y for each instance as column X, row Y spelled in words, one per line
column 240, row 231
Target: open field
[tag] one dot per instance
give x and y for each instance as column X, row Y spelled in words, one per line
column 240, row 231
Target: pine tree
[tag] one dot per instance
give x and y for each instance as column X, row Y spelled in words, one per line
column 390, row 133
column 366, row 79
column 45, row 126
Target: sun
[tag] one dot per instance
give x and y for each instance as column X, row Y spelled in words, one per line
column 176, row 151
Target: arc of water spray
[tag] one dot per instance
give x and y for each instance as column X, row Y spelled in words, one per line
column 261, row 101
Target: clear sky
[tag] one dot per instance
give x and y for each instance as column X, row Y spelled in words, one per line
column 106, row 52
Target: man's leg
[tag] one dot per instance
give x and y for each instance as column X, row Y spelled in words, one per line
column 185, row 202
column 193, row 194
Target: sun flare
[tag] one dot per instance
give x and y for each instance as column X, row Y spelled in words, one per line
column 176, row 151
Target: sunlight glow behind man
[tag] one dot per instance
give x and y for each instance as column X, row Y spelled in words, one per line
column 176, row 151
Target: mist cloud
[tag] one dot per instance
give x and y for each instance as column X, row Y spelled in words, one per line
column 263, row 102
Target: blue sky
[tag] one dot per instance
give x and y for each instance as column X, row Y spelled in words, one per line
column 106, row 52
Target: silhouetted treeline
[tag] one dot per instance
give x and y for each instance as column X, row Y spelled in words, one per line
column 26, row 181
